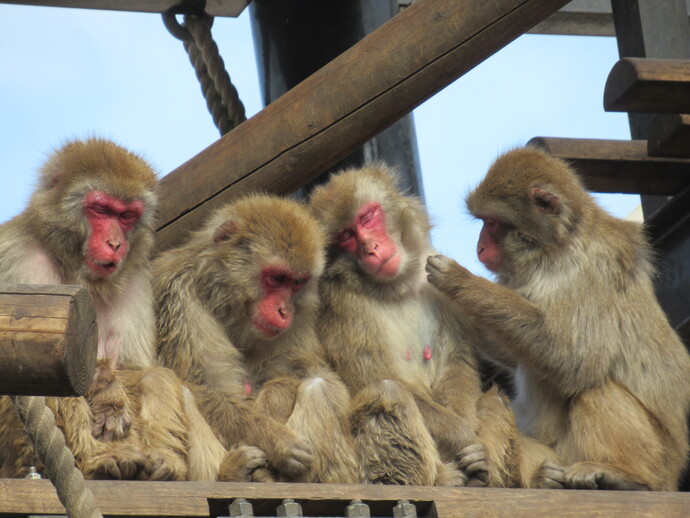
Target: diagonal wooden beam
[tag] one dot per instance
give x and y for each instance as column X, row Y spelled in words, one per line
column 332, row 112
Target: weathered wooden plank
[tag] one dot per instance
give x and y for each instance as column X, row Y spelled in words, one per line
column 123, row 498
column 213, row 7
column 48, row 340
column 669, row 135
column 648, row 85
column 619, row 166
column 355, row 96
column 664, row 220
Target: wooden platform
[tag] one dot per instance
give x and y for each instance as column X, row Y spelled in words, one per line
column 23, row 497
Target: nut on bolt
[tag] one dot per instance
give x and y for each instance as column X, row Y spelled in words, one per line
column 289, row 508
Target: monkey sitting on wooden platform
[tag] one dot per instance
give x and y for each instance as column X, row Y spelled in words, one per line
column 419, row 414
column 236, row 318
column 600, row 374
column 90, row 223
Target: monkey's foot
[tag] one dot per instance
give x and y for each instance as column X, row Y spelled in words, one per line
column 549, row 476
column 110, row 423
column 160, row 465
column 120, row 464
column 291, row 454
column 586, row 475
column 450, row 476
column 473, row 461
column 245, row 464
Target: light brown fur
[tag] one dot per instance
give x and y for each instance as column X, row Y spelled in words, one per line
column 207, row 292
column 413, row 417
column 134, row 421
column 601, row 376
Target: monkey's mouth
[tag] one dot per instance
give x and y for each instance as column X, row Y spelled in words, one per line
column 267, row 329
column 102, row 269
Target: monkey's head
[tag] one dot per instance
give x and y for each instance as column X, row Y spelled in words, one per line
column 373, row 228
column 529, row 203
column 267, row 256
column 93, row 207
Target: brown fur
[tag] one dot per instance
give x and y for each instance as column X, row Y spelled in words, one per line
column 135, row 419
column 206, row 291
column 601, row 376
column 413, row 417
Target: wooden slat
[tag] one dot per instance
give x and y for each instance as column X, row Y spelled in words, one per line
column 664, row 220
column 619, row 166
column 123, row 498
column 669, row 135
column 214, row 8
column 355, row 96
column 648, row 85
column 48, row 340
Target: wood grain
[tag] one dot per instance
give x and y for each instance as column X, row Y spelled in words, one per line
column 669, row 135
column 48, row 340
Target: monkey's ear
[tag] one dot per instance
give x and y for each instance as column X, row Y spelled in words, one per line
column 546, row 202
column 225, row 231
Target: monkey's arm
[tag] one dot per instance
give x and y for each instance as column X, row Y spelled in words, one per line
column 235, row 421
column 515, row 330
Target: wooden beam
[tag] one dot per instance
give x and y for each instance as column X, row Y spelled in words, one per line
column 126, row 498
column 669, row 135
column 648, row 85
column 352, row 98
column 48, row 340
column 668, row 218
column 216, row 8
column 619, row 166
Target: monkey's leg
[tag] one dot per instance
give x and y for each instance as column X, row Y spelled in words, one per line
column 321, row 416
column 392, row 439
column 614, row 443
column 277, row 398
column 162, row 422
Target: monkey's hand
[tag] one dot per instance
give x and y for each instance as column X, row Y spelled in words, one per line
column 108, row 403
column 447, row 275
column 473, row 461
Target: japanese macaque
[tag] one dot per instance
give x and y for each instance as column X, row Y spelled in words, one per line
column 90, row 223
column 395, row 343
column 236, row 319
column 601, row 377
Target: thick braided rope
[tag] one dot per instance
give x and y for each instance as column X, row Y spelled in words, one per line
column 56, row 456
column 221, row 95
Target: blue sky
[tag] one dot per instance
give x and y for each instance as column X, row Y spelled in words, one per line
column 68, row 73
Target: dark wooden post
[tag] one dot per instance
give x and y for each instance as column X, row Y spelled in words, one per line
column 48, row 340
column 295, row 38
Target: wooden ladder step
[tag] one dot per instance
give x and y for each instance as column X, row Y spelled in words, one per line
column 648, row 85
column 619, row 166
column 669, row 135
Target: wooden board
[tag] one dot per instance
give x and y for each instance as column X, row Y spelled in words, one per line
column 213, row 7
column 648, row 85
column 123, row 498
column 669, row 135
column 619, row 166
column 355, row 96
column 48, row 340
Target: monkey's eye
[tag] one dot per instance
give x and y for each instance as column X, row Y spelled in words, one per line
column 99, row 209
column 278, row 280
column 368, row 216
column 129, row 217
column 344, row 235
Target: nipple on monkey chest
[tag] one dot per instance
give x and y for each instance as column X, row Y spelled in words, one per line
column 427, row 353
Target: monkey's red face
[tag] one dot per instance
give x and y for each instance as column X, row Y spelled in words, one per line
column 110, row 219
column 274, row 312
column 488, row 249
column 366, row 238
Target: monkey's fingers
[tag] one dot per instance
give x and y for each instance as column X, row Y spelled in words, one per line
column 474, row 462
column 550, row 476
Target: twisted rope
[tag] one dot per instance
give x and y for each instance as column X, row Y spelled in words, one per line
column 56, row 456
column 222, row 99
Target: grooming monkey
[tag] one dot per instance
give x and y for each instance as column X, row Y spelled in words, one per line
column 237, row 306
column 395, row 343
column 90, row 223
column 601, row 376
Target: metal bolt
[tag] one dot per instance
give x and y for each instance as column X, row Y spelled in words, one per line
column 404, row 509
column 357, row 509
column 289, row 508
column 33, row 473
column 241, row 508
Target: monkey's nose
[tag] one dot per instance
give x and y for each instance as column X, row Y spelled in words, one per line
column 115, row 245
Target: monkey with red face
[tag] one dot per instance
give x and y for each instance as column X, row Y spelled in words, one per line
column 601, row 377
column 90, row 222
column 237, row 306
column 392, row 338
